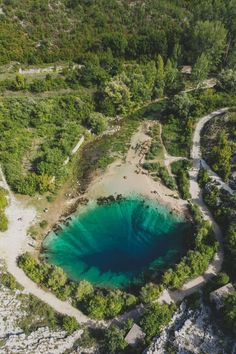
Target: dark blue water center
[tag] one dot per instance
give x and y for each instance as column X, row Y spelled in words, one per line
column 114, row 244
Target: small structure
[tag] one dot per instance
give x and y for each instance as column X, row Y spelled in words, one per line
column 134, row 335
column 219, row 295
column 186, row 70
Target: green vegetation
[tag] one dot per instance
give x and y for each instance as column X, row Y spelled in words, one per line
column 200, row 70
column 156, row 148
column 222, row 206
column 155, row 317
column 97, row 303
column 150, row 292
column 180, row 170
column 69, row 324
column 41, row 316
column 203, row 177
column 162, row 173
column 120, row 56
column 165, row 177
column 114, row 338
column 102, row 151
column 9, row 281
column 219, row 142
column 37, row 139
column 229, row 313
column 3, row 205
column 130, row 35
column 196, row 260
column 181, row 114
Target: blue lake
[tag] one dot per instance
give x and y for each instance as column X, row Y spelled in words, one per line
column 114, row 244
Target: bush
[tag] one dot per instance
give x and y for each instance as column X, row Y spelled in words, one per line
column 114, row 340
column 9, row 281
column 69, row 324
column 167, row 180
column 221, row 279
column 84, row 290
column 43, row 224
column 203, row 177
column 3, row 221
column 180, row 169
column 3, row 205
column 155, row 317
column 150, row 292
column 38, row 314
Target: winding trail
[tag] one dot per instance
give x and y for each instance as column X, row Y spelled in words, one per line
column 196, row 193
column 13, row 242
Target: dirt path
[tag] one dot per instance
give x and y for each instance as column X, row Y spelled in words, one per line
column 169, row 159
column 14, row 242
column 196, row 193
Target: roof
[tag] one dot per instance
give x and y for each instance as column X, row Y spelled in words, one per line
column 134, row 335
column 218, row 295
column 186, row 69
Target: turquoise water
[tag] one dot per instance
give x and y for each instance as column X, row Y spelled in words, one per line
column 114, row 244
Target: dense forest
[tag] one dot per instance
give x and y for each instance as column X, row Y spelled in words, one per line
column 50, row 31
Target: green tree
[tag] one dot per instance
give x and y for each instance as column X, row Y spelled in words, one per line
column 203, row 177
column 160, row 77
column 3, row 221
column 57, row 279
column 200, row 70
column 20, row 82
column 180, row 105
column 84, row 290
column 209, row 37
column 97, row 122
column 221, row 157
column 222, row 279
column 114, row 340
column 227, row 80
column 155, row 317
column 150, row 292
column 69, row 324
column 229, row 312
column 115, row 303
column 97, row 306
column 119, row 94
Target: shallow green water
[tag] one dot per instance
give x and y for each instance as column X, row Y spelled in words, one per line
column 112, row 245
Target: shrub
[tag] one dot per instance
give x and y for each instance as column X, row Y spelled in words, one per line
column 221, row 279
column 155, row 317
column 150, row 292
column 69, row 324
column 9, row 281
column 114, row 340
column 43, row 224
column 167, row 180
column 84, row 290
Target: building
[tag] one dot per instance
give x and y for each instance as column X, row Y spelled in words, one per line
column 134, row 335
column 219, row 295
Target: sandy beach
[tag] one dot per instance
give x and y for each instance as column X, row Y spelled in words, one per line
column 128, row 177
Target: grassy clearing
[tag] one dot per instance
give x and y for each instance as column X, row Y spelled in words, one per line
column 174, row 140
column 156, row 148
